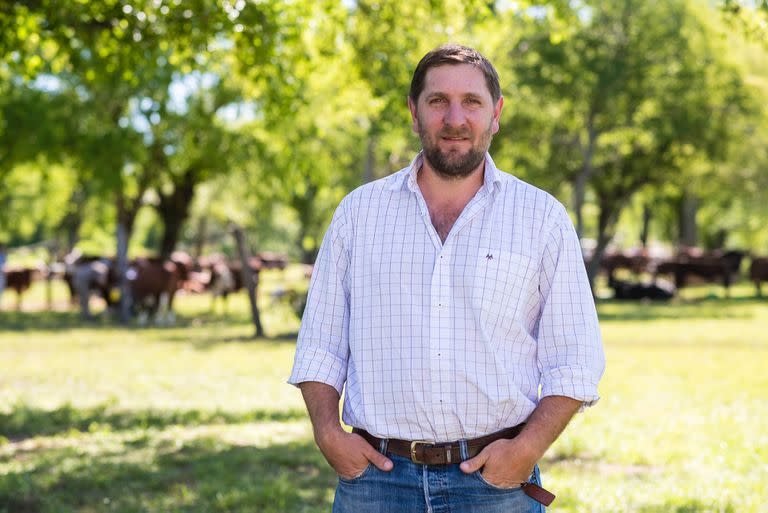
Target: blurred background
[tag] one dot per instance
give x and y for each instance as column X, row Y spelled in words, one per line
column 167, row 120
column 150, row 148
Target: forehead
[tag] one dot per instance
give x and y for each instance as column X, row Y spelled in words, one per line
column 455, row 79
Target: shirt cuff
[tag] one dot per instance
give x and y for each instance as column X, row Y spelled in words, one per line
column 577, row 384
column 320, row 366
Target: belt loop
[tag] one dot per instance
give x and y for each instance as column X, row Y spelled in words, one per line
column 383, row 446
column 463, row 450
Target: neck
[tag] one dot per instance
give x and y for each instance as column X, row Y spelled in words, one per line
column 438, row 189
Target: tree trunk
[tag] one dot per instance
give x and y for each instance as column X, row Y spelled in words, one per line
column 122, row 268
column 174, row 211
column 583, row 177
column 305, row 209
column 52, row 250
column 606, row 224
column 250, row 285
column 688, row 229
column 202, row 233
column 646, row 225
column 370, row 159
column 125, row 218
column 70, row 224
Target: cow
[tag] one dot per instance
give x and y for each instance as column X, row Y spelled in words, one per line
column 97, row 276
column 270, row 260
column 624, row 290
column 717, row 266
column 184, row 263
column 86, row 275
column 20, row 279
column 636, row 262
column 152, row 284
column 758, row 272
column 224, row 281
column 227, row 278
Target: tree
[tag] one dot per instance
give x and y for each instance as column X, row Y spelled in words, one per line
column 118, row 57
column 639, row 93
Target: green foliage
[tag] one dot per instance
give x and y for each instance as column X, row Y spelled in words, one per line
column 635, row 96
column 275, row 109
column 751, row 17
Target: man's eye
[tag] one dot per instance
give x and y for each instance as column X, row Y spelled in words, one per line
column 472, row 101
column 437, row 100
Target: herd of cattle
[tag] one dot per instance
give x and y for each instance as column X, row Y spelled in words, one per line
column 688, row 267
column 152, row 283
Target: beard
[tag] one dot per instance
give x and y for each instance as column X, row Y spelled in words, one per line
column 453, row 164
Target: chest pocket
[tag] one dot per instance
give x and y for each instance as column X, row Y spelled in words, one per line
column 504, row 285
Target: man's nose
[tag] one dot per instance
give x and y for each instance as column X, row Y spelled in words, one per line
column 454, row 115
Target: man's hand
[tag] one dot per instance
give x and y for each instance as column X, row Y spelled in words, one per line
column 504, row 463
column 349, row 454
column 508, row 463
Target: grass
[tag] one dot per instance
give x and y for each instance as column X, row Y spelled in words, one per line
column 196, row 418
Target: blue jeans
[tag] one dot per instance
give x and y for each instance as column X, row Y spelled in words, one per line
column 415, row 488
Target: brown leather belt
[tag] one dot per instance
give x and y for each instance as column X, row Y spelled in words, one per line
column 428, row 453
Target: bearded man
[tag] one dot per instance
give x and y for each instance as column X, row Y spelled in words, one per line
column 449, row 302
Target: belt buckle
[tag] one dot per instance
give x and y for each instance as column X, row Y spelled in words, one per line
column 414, row 458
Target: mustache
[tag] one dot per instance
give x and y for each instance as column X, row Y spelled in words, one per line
column 464, row 133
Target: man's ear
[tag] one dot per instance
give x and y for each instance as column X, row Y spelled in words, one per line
column 414, row 117
column 497, row 115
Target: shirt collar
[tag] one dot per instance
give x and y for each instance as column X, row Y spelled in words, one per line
column 406, row 178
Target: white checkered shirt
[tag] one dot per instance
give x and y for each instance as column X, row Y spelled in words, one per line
column 444, row 341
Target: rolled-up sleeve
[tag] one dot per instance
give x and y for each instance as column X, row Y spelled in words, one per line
column 322, row 348
column 570, row 349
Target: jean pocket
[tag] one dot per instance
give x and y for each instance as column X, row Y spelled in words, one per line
column 357, row 477
column 483, row 480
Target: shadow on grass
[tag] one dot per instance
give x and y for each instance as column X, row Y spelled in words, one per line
column 204, row 340
column 200, row 476
column 201, row 330
column 57, row 320
column 568, row 502
column 26, row 422
column 688, row 506
column 204, row 475
column 738, row 308
column 50, row 321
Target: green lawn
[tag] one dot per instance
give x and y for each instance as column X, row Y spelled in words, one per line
column 197, row 418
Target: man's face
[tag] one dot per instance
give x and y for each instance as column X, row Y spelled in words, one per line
column 455, row 118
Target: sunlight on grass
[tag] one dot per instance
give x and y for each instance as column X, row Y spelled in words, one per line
column 198, row 417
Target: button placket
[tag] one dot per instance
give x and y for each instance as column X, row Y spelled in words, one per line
column 441, row 354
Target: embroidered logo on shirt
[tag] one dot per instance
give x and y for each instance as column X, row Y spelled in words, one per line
column 489, row 257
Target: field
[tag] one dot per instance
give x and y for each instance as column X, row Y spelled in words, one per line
column 198, row 418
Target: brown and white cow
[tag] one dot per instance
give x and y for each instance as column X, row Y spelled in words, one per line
column 152, row 284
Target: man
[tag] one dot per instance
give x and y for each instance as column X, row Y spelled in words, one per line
column 451, row 299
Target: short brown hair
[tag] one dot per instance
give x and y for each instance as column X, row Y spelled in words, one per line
column 454, row 54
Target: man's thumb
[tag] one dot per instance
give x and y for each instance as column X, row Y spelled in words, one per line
column 474, row 464
column 378, row 459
